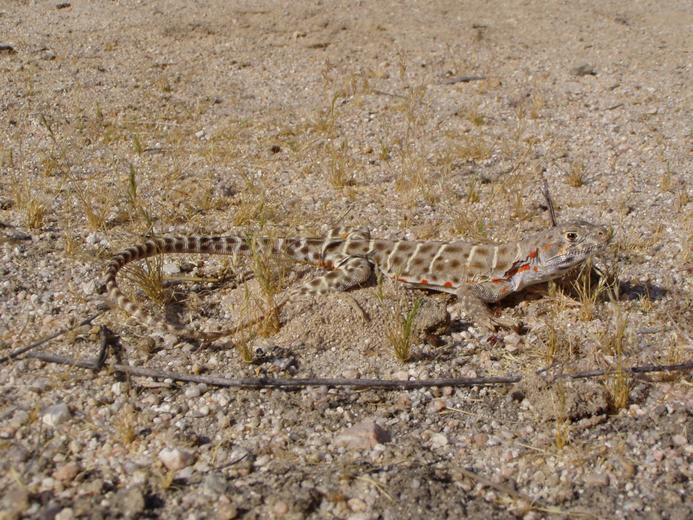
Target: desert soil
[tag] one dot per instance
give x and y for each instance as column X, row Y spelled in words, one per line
column 421, row 120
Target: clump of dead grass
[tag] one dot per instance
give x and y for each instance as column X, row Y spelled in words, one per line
column 149, row 279
column 614, row 344
column 400, row 333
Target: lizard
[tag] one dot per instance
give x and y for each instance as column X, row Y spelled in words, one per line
column 476, row 273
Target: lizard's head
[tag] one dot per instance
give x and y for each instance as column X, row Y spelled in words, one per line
column 563, row 247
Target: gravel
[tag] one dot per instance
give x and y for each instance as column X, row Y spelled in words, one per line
column 127, row 119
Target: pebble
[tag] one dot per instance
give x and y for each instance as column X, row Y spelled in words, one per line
column 364, row 435
column 170, row 268
column 215, row 483
column 65, row 514
column 596, row 479
column 438, row 440
column 192, row 392
column 357, row 505
column 437, row 405
column 280, row 508
column 131, row 500
column 512, row 342
column 175, row 459
column 225, row 509
column 679, row 440
column 66, row 472
column 55, row 415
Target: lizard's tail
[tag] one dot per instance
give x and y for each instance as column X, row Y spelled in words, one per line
column 193, row 244
column 296, row 248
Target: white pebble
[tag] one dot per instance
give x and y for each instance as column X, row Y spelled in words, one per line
column 55, row 415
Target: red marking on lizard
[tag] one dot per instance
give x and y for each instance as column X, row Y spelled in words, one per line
column 533, row 254
column 448, row 284
column 423, row 281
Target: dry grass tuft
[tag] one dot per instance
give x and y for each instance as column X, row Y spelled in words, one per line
column 614, row 345
column 470, row 225
column 340, row 166
column 126, row 424
column 576, row 175
column 400, row 334
column 270, row 276
column 589, row 292
column 35, row 213
column 149, row 279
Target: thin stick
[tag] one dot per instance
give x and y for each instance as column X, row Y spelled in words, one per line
column 549, row 202
column 42, row 341
column 383, row 384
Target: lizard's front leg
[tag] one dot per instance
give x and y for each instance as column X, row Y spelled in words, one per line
column 473, row 299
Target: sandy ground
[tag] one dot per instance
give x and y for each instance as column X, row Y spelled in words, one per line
column 417, row 119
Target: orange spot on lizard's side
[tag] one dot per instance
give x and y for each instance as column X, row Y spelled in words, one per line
column 497, row 280
column 536, row 269
column 523, row 268
column 533, row 254
column 423, row 281
column 448, row 284
column 547, row 246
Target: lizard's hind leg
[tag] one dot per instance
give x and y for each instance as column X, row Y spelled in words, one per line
column 351, row 271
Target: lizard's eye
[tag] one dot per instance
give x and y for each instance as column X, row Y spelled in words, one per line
column 571, row 236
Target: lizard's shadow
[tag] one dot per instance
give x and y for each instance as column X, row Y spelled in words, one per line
column 636, row 289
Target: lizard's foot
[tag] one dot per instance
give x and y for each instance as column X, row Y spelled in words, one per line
column 478, row 312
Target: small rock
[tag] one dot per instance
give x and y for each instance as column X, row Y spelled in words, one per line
column 437, row 405
column 280, row 508
column 131, row 500
column 16, row 500
column 438, row 440
column 584, row 70
column 55, row 415
column 118, row 388
column 350, row 373
column 596, row 479
column 175, row 459
column 192, row 392
column 363, row 435
column 200, row 134
column 215, row 483
column 65, row 514
column 512, row 342
column 226, row 510
column 679, row 440
column 66, row 472
column 357, row 505
column 170, row 268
